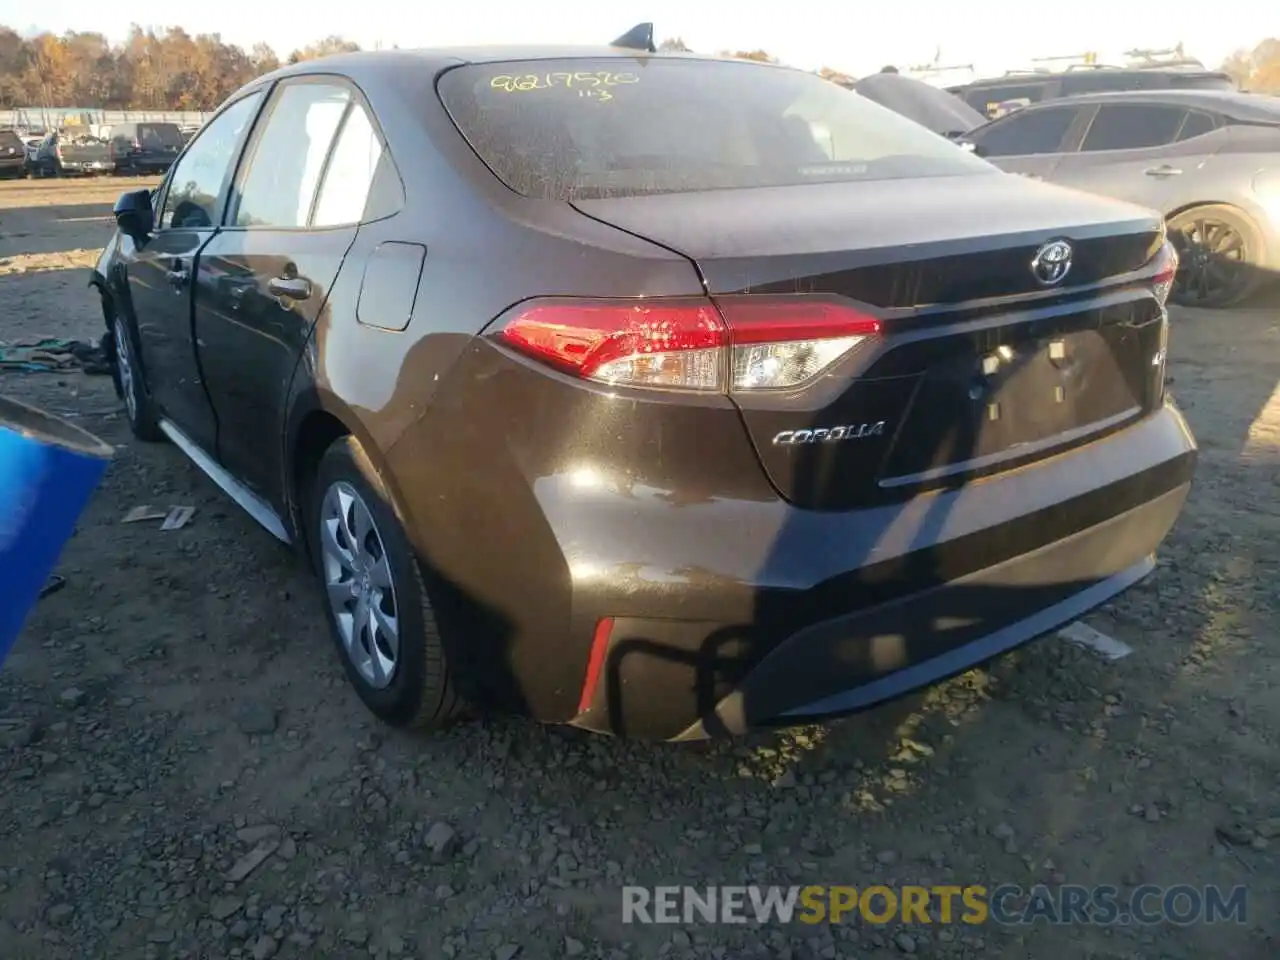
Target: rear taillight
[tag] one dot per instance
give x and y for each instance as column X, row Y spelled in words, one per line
column 735, row 344
column 1166, row 265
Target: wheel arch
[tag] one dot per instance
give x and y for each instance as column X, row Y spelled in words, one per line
column 317, row 419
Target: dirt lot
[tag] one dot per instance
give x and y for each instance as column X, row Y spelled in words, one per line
column 178, row 706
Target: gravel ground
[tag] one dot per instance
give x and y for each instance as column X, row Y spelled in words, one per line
column 184, row 772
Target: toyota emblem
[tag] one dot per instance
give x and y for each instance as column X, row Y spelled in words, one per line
column 1051, row 263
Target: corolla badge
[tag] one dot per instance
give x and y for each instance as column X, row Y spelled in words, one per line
column 1052, row 262
column 850, row 431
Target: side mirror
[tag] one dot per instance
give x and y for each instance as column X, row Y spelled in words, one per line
column 134, row 216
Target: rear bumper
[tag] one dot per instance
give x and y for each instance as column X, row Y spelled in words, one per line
column 854, row 662
column 770, row 619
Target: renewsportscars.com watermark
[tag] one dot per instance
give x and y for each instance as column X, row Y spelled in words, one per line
column 1006, row 904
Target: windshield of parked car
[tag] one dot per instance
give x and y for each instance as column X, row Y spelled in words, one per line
column 584, row 128
column 10, row 140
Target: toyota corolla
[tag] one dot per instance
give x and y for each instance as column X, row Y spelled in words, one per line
column 660, row 395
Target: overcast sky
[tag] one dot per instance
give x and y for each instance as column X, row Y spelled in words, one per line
column 856, row 37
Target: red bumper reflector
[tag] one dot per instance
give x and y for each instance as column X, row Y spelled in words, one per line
column 595, row 663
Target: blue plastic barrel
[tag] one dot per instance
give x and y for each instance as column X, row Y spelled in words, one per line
column 48, row 470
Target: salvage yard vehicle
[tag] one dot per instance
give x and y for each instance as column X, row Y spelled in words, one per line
column 145, row 147
column 661, row 395
column 67, row 154
column 13, row 155
column 1208, row 160
column 989, row 96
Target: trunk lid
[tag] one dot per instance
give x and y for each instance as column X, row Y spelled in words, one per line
column 981, row 368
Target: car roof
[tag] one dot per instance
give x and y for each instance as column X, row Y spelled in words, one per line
column 1019, row 78
column 436, row 59
column 1237, row 105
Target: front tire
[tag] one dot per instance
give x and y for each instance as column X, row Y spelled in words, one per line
column 127, row 374
column 380, row 616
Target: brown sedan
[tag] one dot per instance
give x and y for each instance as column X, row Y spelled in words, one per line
column 655, row 394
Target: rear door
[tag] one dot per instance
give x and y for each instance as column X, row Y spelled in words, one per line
column 159, row 272
column 1030, row 142
column 1139, row 152
column 265, row 278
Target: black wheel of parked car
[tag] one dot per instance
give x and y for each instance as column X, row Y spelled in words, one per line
column 1218, row 250
column 380, row 615
column 130, row 385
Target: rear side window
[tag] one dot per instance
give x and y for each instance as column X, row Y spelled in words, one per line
column 1196, row 125
column 1133, row 126
column 582, row 129
column 1026, row 133
column 987, row 100
column 158, row 136
column 288, row 156
column 360, row 183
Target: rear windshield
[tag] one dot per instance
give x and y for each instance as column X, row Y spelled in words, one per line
column 10, row 139
column 159, row 135
column 586, row 129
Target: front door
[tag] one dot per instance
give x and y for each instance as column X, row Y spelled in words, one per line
column 265, row 278
column 1029, row 142
column 160, row 271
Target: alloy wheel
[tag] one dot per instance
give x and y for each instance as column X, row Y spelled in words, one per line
column 359, row 584
column 125, row 371
column 1213, row 261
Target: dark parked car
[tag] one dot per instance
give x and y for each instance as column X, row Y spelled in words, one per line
column 1209, row 161
column 650, row 393
column 140, row 148
column 13, row 155
column 993, row 96
column 916, row 100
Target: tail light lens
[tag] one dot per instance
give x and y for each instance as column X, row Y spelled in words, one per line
column 1166, row 264
column 735, row 344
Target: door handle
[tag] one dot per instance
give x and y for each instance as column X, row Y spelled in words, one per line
column 295, row 288
column 1162, row 171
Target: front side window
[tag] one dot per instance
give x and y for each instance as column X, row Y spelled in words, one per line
column 286, row 162
column 583, row 129
column 197, row 178
column 1026, row 133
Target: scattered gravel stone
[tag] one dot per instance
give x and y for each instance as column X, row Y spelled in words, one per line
column 72, row 697
column 252, row 835
column 441, row 841
column 264, row 947
column 224, row 907
column 257, row 719
column 252, row 860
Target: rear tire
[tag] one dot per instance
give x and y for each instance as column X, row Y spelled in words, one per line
column 380, row 616
column 1219, row 250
